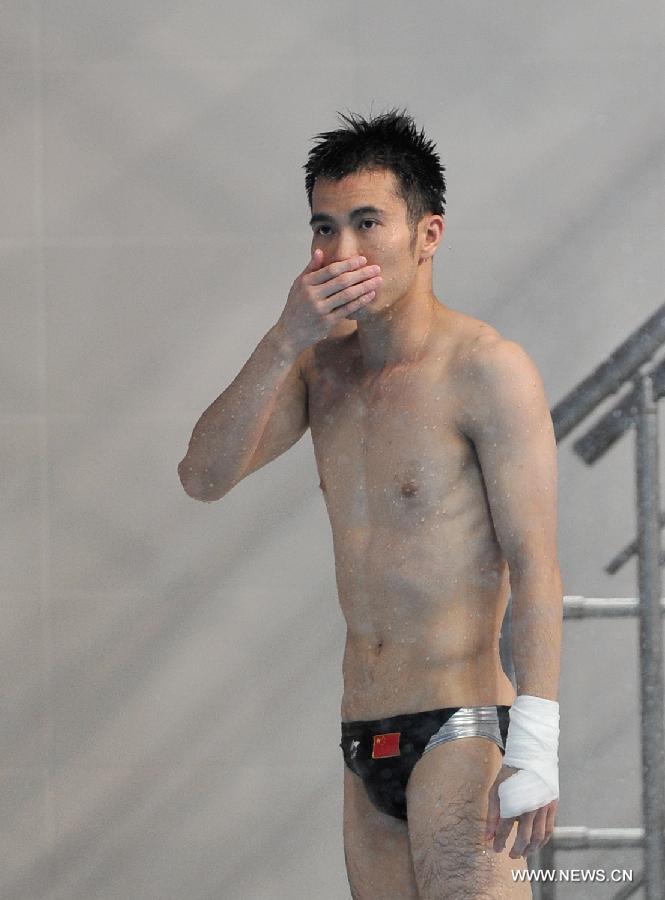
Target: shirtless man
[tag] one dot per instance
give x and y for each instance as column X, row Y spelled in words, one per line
column 436, row 454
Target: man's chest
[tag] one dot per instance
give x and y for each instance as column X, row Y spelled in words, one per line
column 389, row 449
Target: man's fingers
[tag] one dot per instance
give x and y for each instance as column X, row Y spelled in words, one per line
column 549, row 822
column 345, row 309
column 523, row 837
column 343, row 282
column 315, row 262
column 533, row 831
column 348, row 294
column 336, row 268
column 503, row 829
column 537, row 831
column 492, row 814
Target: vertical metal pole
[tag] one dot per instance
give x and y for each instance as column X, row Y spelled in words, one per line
column 543, row 859
column 651, row 637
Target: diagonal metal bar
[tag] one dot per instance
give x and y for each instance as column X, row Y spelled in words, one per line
column 608, row 377
column 609, row 428
column 629, row 550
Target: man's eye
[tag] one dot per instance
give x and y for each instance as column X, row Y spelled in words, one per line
column 319, row 230
column 368, row 221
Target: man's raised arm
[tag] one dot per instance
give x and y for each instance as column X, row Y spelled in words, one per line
column 263, row 411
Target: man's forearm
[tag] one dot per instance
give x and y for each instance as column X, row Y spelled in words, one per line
column 536, row 630
column 228, row 432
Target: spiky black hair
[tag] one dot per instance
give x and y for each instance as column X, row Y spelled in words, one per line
column 388, row 141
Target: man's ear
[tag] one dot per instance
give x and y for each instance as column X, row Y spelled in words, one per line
column 432, row 228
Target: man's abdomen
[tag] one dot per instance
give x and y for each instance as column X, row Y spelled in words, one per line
column 416, row 672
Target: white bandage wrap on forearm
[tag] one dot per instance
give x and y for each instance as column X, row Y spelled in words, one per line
column 532, row 747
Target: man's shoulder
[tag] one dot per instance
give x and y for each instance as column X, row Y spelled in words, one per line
column 482, row 352
column 490, row 372
column 473, row 341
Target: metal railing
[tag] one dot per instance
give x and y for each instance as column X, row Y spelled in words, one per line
column 638, row 407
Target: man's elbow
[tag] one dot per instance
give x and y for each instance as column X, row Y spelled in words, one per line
column 191, row 484
column 195, row 486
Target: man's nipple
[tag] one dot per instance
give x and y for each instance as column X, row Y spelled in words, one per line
column 409, row 488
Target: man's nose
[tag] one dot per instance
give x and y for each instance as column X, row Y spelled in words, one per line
column 345, row 245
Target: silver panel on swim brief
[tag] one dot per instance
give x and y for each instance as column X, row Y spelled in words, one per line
column 469, row 721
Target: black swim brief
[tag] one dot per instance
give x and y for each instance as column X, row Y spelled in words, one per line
column 384, row 751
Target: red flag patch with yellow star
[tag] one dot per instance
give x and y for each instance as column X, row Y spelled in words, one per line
column 386, row 745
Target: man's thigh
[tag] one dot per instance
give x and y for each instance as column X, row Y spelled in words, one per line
column 447, row 797
column 376, row 848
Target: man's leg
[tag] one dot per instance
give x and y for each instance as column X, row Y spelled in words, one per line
column 376, row 848
column 447, row 798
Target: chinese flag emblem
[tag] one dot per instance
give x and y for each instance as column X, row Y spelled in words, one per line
column 385, row 745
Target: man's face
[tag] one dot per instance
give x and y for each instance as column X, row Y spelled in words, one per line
column 362, row 214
